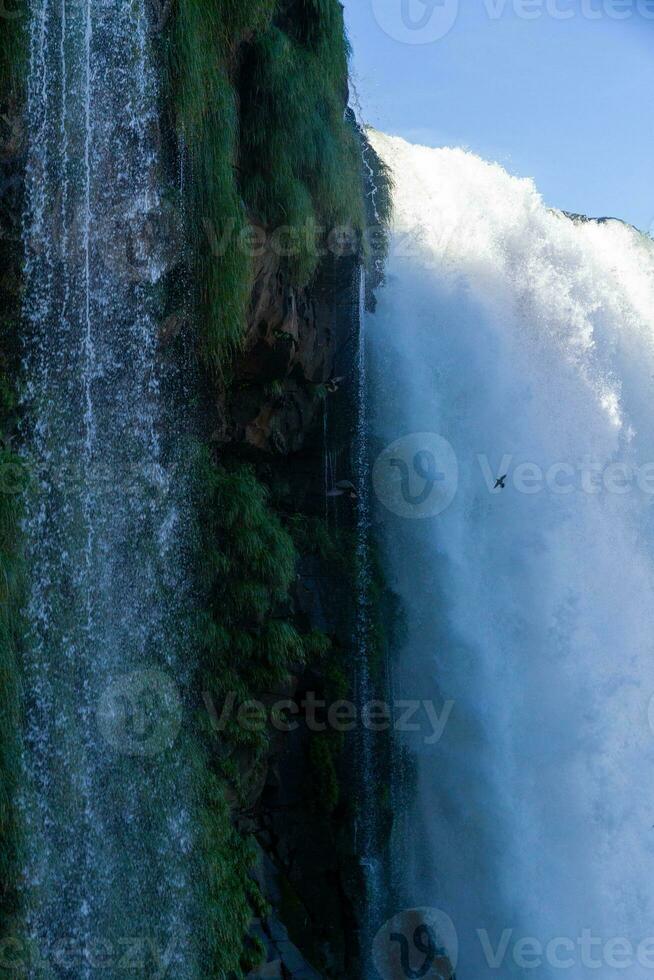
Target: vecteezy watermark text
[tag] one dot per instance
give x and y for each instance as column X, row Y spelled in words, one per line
column 564, row 952
column 562, row 478
column 319, row 715
column 418, row 476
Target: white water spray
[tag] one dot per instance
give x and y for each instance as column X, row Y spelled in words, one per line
column 107, row 796
column 526, row 339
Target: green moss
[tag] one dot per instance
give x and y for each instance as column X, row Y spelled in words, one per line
column 248, row 644
column 10, row 630
column 300, row 157
column 206, row 119
column 325, row 786
column 12, row 40
column 230, row 897
column 258, row 93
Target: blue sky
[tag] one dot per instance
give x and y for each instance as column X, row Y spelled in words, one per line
column 567, row 100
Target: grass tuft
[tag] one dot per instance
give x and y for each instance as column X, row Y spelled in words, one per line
column 259, row 92
column 248, row 645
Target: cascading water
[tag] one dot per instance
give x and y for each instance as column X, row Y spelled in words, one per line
column 107, row 796
column 368, row 835
column 526, row 340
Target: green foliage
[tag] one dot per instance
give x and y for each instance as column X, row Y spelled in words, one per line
column 312, row 536
column 13, row 38
column 300, row 158
column 201, row 41
column 230, row 894
column 258, row 93
column 326, row 791
column 248, row 644
column 10, row 630
column 249, row 566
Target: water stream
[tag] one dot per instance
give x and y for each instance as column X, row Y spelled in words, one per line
column 107, row 800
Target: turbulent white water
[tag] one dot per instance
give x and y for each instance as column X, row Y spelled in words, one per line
column 523, row 337
column 106, row 803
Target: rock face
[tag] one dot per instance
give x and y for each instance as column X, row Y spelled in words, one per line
column 282, row 959
column 297, row 367
column 12, row 151
column 291, row 350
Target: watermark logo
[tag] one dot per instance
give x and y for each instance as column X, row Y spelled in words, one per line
column 140, row 713
column 417, row 476
column 416, row 21
column 14, row 476
column 419, row 944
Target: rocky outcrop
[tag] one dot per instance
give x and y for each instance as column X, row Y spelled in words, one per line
column 12, row 152
column 297, row 365
column 288, row 363
column 283, row 960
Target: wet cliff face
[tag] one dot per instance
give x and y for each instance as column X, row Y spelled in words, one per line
column 290, row 409
column 12, row 153
column 295, row 338
column 283, row 404
column 297, row 371
column 297, row 365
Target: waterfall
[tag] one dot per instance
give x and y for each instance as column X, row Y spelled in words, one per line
column 368, row 830
column 364, row 682
column 108, row 524
column 514, row 340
